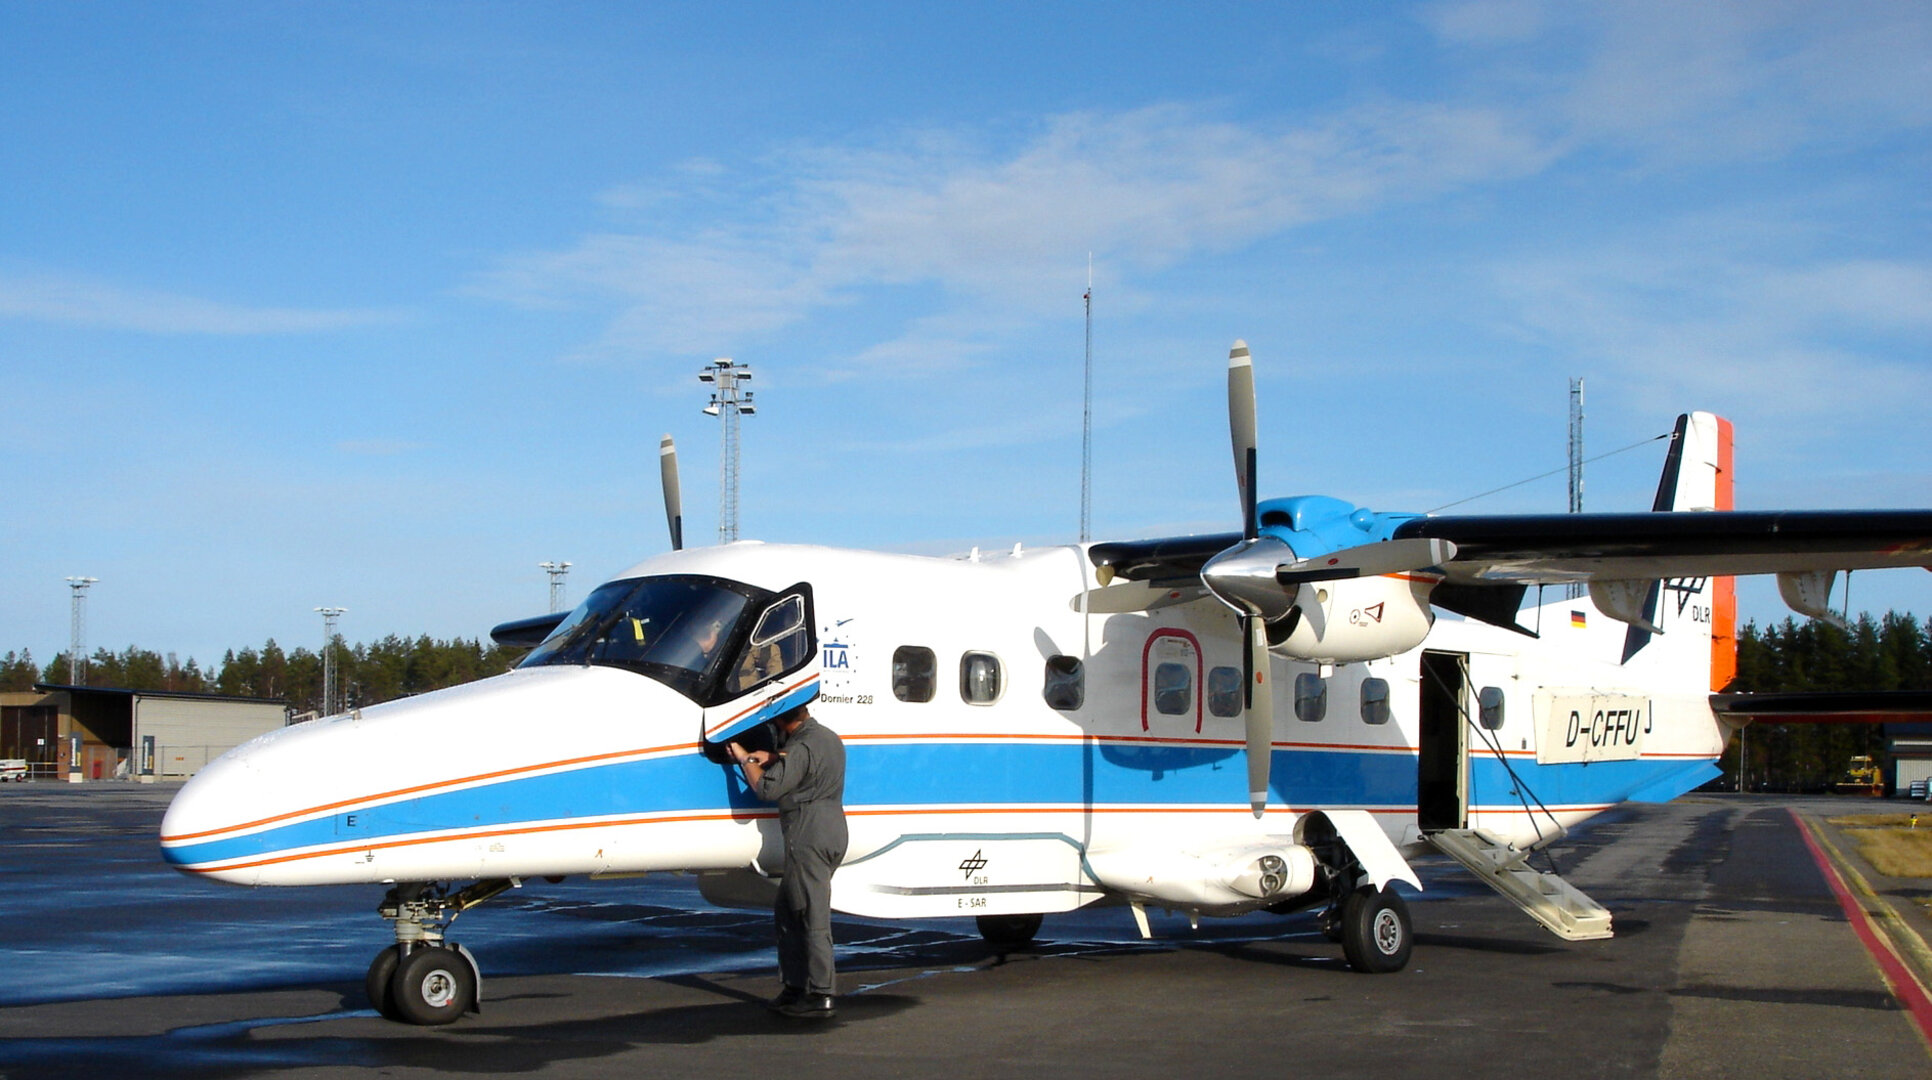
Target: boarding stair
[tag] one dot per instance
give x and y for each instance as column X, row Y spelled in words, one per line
column 1561, row 907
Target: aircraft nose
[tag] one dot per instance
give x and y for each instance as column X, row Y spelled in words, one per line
column 212, row 803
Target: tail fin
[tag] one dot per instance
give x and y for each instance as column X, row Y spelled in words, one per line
column 1697, row 477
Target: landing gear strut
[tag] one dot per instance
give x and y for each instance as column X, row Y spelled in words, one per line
column 421, row 979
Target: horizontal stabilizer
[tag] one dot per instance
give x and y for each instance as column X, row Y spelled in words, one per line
column 1827, row 707
column 527, row 633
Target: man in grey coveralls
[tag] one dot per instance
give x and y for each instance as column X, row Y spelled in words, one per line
column 806, row 778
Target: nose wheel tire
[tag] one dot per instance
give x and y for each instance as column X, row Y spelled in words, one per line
column 381, row 981
column 433, row 985
column 1376, row 933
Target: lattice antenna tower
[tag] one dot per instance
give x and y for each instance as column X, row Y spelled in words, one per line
column 1576, row 461
column 556, row 570
column 729, row 400
column 77, row 631
column 330, row 701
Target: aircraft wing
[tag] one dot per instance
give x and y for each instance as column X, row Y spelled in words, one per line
column 1540, row 549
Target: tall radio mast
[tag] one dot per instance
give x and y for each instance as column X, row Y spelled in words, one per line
column 1576, row 461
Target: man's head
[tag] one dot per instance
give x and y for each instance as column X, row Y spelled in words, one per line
column 791, row 718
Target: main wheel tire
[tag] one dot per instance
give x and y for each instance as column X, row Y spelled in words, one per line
column 433, row 986
column 1376, row 933
column 381, row 982
column 1008, row 931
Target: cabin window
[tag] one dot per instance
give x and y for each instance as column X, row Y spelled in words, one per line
column 1490, row 701
column 1066, row 683
column 1311, row 697
column 1375, row 701
column 914, row 673
column 979, row 678
column 1173, row 689
column 1224, row 691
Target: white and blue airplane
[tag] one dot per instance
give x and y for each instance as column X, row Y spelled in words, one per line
column 1275, row 719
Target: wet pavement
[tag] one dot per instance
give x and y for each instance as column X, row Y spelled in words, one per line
column 1733, row 958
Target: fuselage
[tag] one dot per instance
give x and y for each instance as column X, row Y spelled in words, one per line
column 996, row 736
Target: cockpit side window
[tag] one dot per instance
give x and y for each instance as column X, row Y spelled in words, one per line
column 780, row 642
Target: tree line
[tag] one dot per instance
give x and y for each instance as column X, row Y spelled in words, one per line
column 366, row 674
column 1889, row 653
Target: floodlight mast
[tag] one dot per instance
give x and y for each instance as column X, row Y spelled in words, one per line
column 330, row 699
column 556, row 570
column 77, row 631
column 728, row 401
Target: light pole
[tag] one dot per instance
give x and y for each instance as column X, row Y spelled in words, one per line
column 728, row 400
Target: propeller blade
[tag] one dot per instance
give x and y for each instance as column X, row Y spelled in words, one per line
column 1241, row 430
column 667, row 465
column 1259, row 699
column 1367, row 560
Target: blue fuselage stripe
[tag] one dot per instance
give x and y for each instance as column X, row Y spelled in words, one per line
column 946, row 775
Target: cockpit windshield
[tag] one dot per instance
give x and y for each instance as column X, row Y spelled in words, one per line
column 676, row 629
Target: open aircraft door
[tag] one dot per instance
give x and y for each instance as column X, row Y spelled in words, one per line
column 1442, row 759
column 774, row 667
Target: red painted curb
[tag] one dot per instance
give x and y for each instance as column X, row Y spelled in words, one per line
column 1904, row 985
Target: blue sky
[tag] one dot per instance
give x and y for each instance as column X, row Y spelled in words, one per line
column 380, row 305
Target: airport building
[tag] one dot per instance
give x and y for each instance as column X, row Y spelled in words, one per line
column 1910, row 746
column 85, row 733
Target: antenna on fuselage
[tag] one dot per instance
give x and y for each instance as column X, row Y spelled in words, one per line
column 1086, row 420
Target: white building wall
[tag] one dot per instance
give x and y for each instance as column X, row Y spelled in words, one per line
column 189, row 732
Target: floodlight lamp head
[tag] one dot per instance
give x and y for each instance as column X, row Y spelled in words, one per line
column 711, row 409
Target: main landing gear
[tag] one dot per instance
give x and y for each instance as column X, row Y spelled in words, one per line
column 1375, row 930
column 1371, row 924
column 422, row 979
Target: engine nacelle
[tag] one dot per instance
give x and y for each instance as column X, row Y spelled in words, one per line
column 1237, row 878
column 1355, row 619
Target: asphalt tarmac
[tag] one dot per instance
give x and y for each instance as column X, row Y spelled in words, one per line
column 1732, row 957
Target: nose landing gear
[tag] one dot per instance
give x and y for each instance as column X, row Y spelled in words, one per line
column 421, row 979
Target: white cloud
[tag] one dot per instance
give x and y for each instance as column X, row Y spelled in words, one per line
column 93, row 303
column 1702, row 323
column 1146, row 189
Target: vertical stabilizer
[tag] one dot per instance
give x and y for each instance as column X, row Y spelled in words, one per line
column 1697, row 478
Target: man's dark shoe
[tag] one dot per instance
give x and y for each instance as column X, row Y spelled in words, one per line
column 810, row 1007
column 786, row 997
